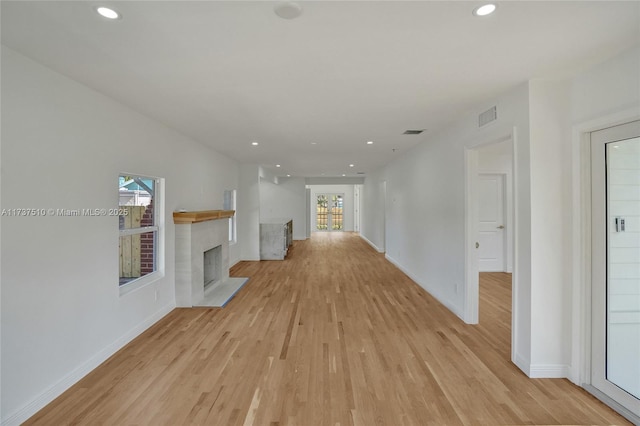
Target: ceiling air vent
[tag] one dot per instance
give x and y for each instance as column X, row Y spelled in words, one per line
column 413, row 132
column 360, row 173
column 488, row 116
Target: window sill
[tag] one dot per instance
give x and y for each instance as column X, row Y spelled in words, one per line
column 140, row 282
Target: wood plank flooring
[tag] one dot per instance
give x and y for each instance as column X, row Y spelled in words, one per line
column 334, row 335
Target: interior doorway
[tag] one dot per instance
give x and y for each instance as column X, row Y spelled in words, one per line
column 490, row 224
column 333, row 207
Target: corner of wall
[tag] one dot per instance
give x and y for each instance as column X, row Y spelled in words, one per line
column 453, row 308
column 378, row 249
column 523, row 364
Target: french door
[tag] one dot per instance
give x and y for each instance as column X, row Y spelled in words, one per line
column 329, row 212
column 615, row 242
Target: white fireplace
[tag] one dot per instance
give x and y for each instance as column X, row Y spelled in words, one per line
column 202, row 259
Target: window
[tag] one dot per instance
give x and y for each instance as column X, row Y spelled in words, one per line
column 230, row 204
column 139, row 213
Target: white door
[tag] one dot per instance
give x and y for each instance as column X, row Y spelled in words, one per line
column 615, row 236
column 491, row 227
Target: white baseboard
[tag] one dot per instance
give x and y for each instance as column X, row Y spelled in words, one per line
column 542, row 371
column 549, row 371
column 378, row 249
column 415, row 279
column 72, row 378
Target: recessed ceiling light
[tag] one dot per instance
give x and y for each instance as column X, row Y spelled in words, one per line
column 108, row 13
column 351, row 165
column 254, row 143
column 485, row 9
column 277, row 165
column 314, row 143
column 370, row 143
column 343, row 174
column 288, row 175
column 288, row 9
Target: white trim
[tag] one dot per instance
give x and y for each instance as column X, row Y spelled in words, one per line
column 581, row 349
column 471, row 270
column 74, row 376
column 140, row 282
column 158, row 228
column 471, row 290
column 515, row 279
column 136, row 231
column 548, row 371
column 378, row 249
column 453, row 308
column 580, row 370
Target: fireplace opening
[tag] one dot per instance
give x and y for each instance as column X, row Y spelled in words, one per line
column 212, row 266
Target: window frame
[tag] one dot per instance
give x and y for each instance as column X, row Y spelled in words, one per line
column 158, row 228
column 230, row 203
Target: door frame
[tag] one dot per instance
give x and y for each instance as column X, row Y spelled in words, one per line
column 472, row 289
column 580, row 369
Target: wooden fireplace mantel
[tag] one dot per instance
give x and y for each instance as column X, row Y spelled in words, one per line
column 201, row 216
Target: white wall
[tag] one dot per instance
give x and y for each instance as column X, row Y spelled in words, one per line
column 498, row 158
column 348, row 203
column 425, row 205
column 63, row 146
column 249, row 212
column 372, row 220
column 607, row 88
column 285, row 199
column 549, row 108
column 425, row 208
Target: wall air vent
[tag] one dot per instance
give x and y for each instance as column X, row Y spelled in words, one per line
column 488, row 116
column 413, row 132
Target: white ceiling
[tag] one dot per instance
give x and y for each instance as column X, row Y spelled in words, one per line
column 228, row 73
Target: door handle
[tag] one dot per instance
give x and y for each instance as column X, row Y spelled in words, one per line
column 501, row 227
column 477, row 245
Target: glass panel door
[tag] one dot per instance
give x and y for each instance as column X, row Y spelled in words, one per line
column 329, row 212
column 322, row 213
column 615, row 357
column 337, row 216
column 623, row 264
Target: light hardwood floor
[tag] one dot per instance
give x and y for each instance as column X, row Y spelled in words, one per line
column 334, row 335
